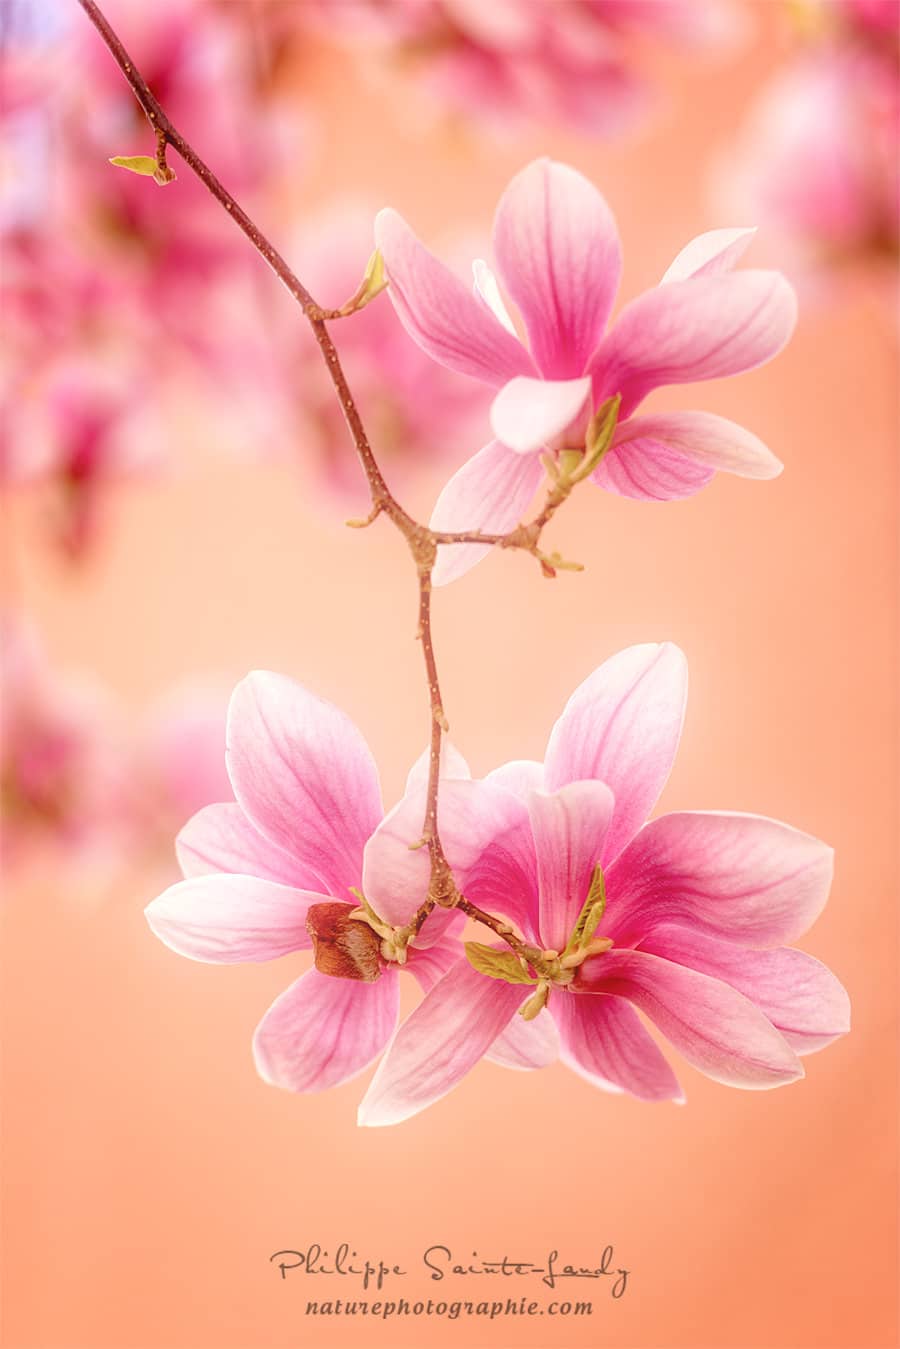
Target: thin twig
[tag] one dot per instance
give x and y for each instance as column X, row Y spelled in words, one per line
column 443, row 889
column 422, row 541
column 531, row 954
column 167, row 134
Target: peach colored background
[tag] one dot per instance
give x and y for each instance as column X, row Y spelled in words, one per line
column 149, row 1174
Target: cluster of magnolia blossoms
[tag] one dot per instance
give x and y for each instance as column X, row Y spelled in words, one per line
column 685, row 919
column 510, row 62
column 598, row 914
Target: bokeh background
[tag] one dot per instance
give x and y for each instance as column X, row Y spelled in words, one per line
column 175, row 486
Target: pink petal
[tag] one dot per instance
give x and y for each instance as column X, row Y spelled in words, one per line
column 529, row 413
column 520, row 777
column 322, row 1031
column 488, row 291
column 711, row 1025
column 570, row 828
column 490, row 493
column 305, row 776
column 742, row 877
column 694, row 330
column 649, row 470
column 453, row 765
column 227, row 919
column 439, row 1043
column 220, row 838
column 799, row 995
column 396, row 865
column 525, row 1045
column 471, row 815
column 429, row 965
column 687, row 446
column 439, row 312
column 622, row 726
column 710, row 254
column 603, row 1040
column 559, row 257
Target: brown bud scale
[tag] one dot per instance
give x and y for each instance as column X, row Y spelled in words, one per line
column 343, row 947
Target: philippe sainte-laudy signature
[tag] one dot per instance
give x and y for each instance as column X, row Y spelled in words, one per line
column 440, row 1262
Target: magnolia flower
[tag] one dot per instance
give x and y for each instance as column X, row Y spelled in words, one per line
column 872, row 18
column 178, row 764
column 684, row 919
column 63, row 773
column 817, row 157
column 513, row 61
column 173, row 246
column 558, row 255
column 279, row 870
column 412, row 406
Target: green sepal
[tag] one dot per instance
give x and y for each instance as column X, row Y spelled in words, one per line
column 142, row 164
column 503, row 965
column 374, row 278
column 599, row 436
column 376, row 921
column 591, row 913
column 570, row 462
column 373, row 283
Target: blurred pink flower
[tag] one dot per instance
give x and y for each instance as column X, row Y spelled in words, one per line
column 281, row 863
column 698, row 907
column 559, row 258
column 31, row 33
column 106, row 276
column 179, row 760
column 875, row 18
column 415, row 412
column 173, row 241
column 513, row 61
column 818, row 156
column 817, row 159
column 74, row 418
column 63, row 775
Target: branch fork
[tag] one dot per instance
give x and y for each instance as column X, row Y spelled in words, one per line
column 423, row 542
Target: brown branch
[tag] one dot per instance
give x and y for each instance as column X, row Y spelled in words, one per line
column 526, row 537
column 167, row 134
column 443, row 888
column 422, row 542
column 531, row 954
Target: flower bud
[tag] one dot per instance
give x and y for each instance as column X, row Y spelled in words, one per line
column 343, row 946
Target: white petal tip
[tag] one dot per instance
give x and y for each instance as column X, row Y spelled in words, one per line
column 372, row 1118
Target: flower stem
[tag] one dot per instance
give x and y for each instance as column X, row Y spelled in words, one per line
column 423, row 542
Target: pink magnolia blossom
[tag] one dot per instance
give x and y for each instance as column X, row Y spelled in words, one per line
column 871, row 18
column 73, row 423
column 31, row 33
column 63, row 773
column 180, row 254
column 414, row 410
column 513, row 61
column 307, row 810
column 106, row 276
column 559, row 259
column 818, row 157
column 698, row 910
column 178, row 764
